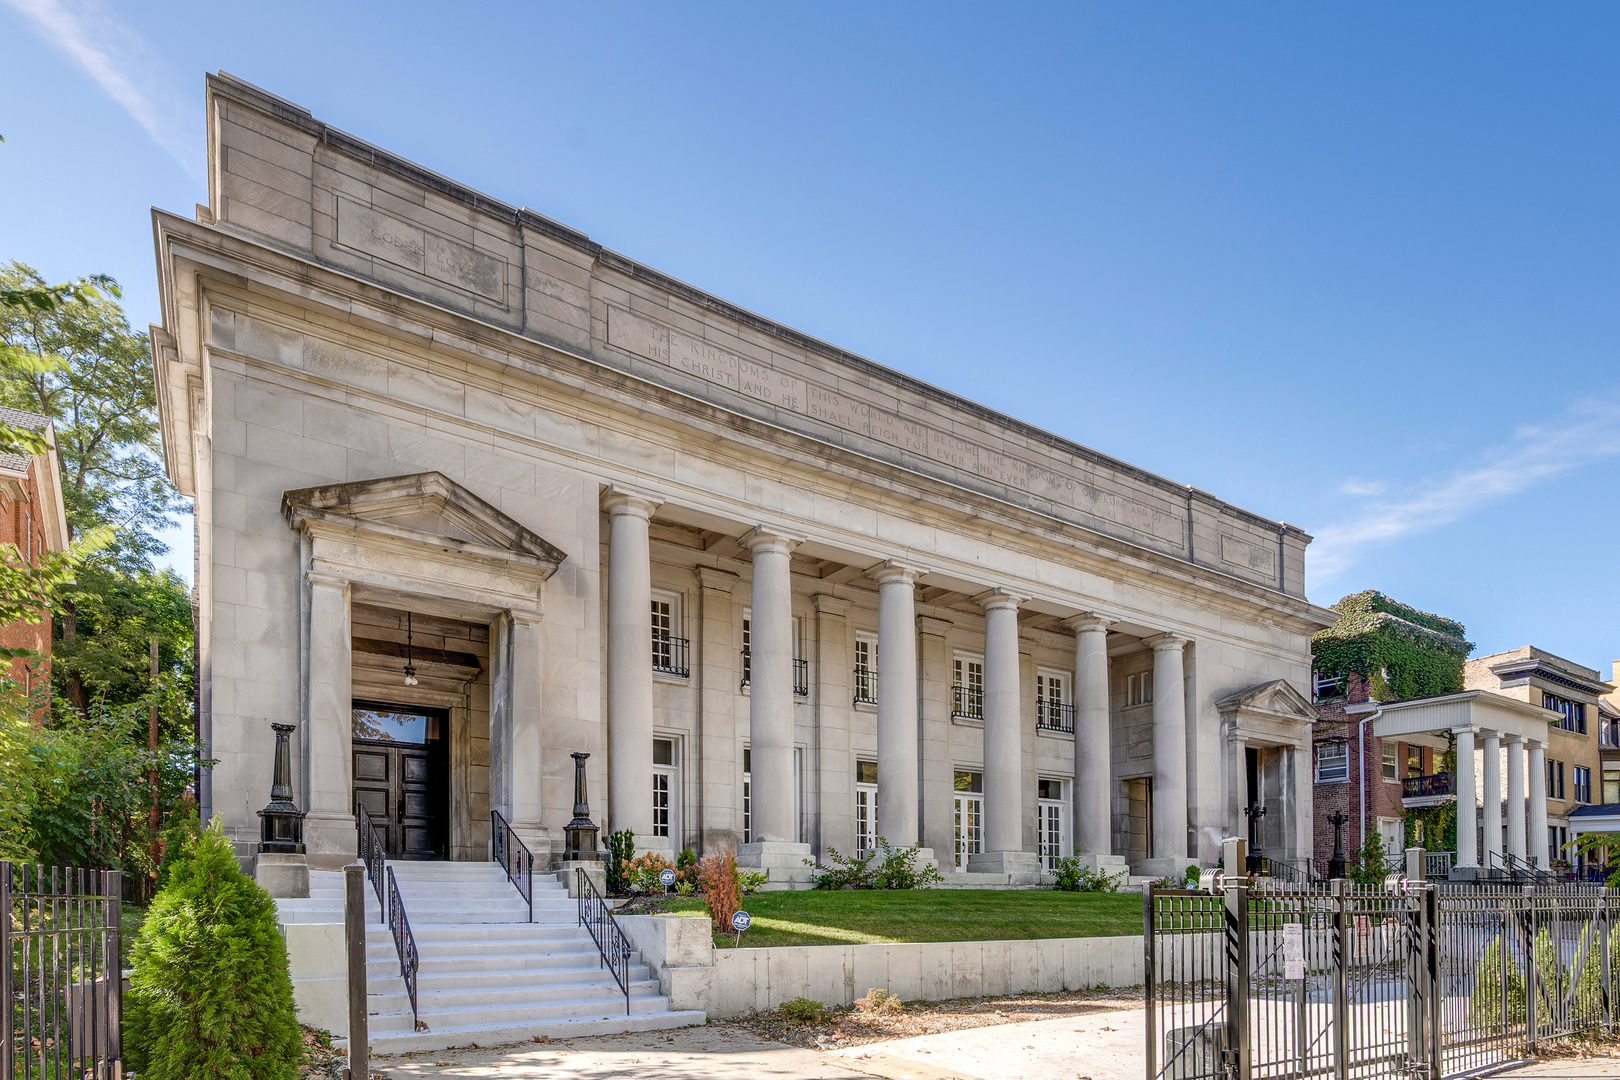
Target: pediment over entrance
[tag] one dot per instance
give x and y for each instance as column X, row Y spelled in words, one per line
column 425, row 506
column 1269, row 712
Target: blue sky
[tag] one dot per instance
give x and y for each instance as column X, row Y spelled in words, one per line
column 1354, row 267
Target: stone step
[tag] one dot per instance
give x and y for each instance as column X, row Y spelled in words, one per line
column 558, row 972
column 439, row 1011
column 442, row 1037
column 586, row 986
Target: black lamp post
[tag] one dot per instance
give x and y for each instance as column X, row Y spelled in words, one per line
column 1256, row 862
column 1336, row 863
column 580, row 835
column 281, row 824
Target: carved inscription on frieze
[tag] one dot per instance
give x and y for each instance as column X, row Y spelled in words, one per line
column 451, row 262
column 1248, row 557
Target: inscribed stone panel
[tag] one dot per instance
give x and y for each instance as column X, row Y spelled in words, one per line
column 450, row 262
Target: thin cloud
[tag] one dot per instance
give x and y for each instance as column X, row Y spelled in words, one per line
column 123, row 63
column 1584, row 434
column 1361, row 487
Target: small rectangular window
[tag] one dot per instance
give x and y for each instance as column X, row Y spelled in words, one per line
column 969, row 781
column 1392, row 765
column 1332, row 762
column 1049, row 789
column 1583, row 784
column 866, row 772
column 1139, row 689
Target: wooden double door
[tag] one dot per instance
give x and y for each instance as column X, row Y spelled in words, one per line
column 401, row 777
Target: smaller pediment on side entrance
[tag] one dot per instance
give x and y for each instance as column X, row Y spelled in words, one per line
column 426, row 505
column 1276, row 698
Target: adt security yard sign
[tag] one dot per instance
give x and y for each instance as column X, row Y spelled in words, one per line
column 740, row 922
column 666, row 878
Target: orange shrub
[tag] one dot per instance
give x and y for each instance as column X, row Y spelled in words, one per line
column 722, row 895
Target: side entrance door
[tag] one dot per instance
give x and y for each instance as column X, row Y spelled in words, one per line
column 400, row 777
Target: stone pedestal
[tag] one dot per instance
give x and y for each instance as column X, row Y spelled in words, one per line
column 596, row 871
column 784, row 862
column 648, row 844
column 282, row 875
column 1021, row 867
column 1108, row 864
column 1170, row 868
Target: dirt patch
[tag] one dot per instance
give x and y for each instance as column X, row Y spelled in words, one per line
column 856, row 1025
column 1580, row 1048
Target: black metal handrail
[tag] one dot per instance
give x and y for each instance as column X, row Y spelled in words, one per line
column 1054, row 715
column 670, row 655
column 611, row 944
column 514, row 856
column 1416, row 787
column 375, row 855
column 967, row 701
column 1293, row 873
column 865, row 686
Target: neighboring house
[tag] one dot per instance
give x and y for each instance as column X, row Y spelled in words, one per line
column 32, row 521
column 1609, row 738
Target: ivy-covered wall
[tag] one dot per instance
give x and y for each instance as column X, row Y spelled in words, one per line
column 1401, row 652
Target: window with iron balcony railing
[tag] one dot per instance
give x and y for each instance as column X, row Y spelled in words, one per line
column 1417, row 787
column 865, row 685
column 669, row 655
column 801, row 674
column 1054, row 715
column 967, row 702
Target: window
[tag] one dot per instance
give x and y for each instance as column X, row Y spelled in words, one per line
column 866, row 669
column 669, row 653
column 1392, row 765
column 1414, row 760
column 1138, row 689
column 801, row 668
column 1583, row 784
column 866, row 823
column 1052, row 710
column 1051, row 821
column 1332, row 762
column 748, row 668
column 969, row 817
column 1555, row 779
column 747, row 800
column 967, row 686
column 1608, row 729
column 1611, row 787
column 1572, row 714
column 1328, row 687
column 666, row 791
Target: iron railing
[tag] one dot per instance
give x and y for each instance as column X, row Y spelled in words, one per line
column 865, row 686
column 375, row 856
column 60, row 977
column 1054, row 716
column 514, row 856
column 967, row 701
column 671, row 655
column 611, row 945
column 1437, row 864
column 1419, row 787
column 801, row 673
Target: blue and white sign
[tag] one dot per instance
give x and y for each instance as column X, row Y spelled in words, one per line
column 741, row 921
column 666, row 878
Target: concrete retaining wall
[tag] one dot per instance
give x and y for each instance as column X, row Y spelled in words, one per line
column 734, row 982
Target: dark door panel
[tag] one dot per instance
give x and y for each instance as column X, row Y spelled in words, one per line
column 403, row 785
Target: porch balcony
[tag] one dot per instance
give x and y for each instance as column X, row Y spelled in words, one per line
column 1430, row 790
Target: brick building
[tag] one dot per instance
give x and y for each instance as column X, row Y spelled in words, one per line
column 32, row 521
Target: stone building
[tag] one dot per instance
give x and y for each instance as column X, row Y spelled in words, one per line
column 475, row 492
column 34, row 522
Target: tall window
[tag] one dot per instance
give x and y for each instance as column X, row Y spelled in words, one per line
column 1051, row 822
column 666, row 790
column 1609, row 729
column 1392, row 765
column 1139, row 688
column 969, row 815
column 1583, row 784
column 1414, row 760
column 668, row 647
column 747, row 665
column 1611, row 786
column 747, row 797
column 1572, row 714
column 866, row 669
column 1555, row 779
column 866, row 823
column 967, row 687
column 1051, row 702
column 1332, row 762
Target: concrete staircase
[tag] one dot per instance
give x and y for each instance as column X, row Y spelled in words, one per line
column 485, row 974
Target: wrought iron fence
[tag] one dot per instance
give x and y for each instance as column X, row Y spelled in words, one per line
column 611, row 944
column 60, row 977
column 1293, row 980
column 514, row 856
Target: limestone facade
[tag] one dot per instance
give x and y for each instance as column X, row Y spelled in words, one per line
column 636, row 521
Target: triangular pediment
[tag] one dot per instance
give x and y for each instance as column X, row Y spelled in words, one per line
column 1276, row 698
column 428, row 505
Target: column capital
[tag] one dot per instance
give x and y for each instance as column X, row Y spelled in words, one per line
column 711, row 577
column 1488, row 733
column 764, row 538
column 999, row 597
column 928, row 624
column 1166, row 642
column 622, row 500
column 828, row 604
column 1465, row 730
column 1089, row 620
column 1535, row 744
column 327, row 580
column 893, row 570
column 1512, row 740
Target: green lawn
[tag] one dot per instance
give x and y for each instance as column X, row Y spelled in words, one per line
column 859, row 917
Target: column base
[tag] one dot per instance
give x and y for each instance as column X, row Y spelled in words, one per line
column 648, row 844
column 537, row 838
column 1021, row 867
column 331, row 841
column 1108, row 864
column 784, row 862
column 1466, row 873
column 1172, row 868
column 281, row 875
column 596, row 871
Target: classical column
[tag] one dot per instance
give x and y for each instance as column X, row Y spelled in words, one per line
column 1537, row 845
column 1515, row 797
column 1491, row 790
column 630, row 675
column 897, row 703
column 936, row 762
column 329, row 827
column 1003, row 745
column 1093, row 763
column 835, row 762
column 1467, row 822
column 716, row 669
column 770, row 712
column 1169, row 854
column 524, row 756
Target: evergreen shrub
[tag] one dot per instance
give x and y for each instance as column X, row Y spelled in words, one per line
column 210, row 994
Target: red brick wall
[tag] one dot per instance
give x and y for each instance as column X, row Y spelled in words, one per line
column 21, row 524
column 1383, row 798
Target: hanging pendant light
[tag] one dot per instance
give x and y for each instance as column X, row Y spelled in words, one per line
column 410, row 670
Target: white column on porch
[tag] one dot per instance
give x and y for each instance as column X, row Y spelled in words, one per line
column 897, row 703
column 524, row 758
column 1169, row 853
column 1467, row 822
column 1537, row 844
column 1093, row 762
column 770, row 705
column 630, row 675
column 1003, row 744
column 1491, row 796
column 1515, row 797
column 329, row 826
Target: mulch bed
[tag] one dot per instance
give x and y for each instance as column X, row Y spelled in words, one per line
column 858, row 1024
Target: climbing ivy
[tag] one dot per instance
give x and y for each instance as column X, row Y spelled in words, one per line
column 1401, row 652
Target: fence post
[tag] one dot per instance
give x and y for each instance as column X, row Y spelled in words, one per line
column 1236, row 892
column 1604, row 989
column 1341, row 981
column 354, row 933
column 115, row 976
column 1532, row 1021
column 1414, row 912
column 7, row 1066
column 1147, row 978
column 1414, row 864
column 1431, row 903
